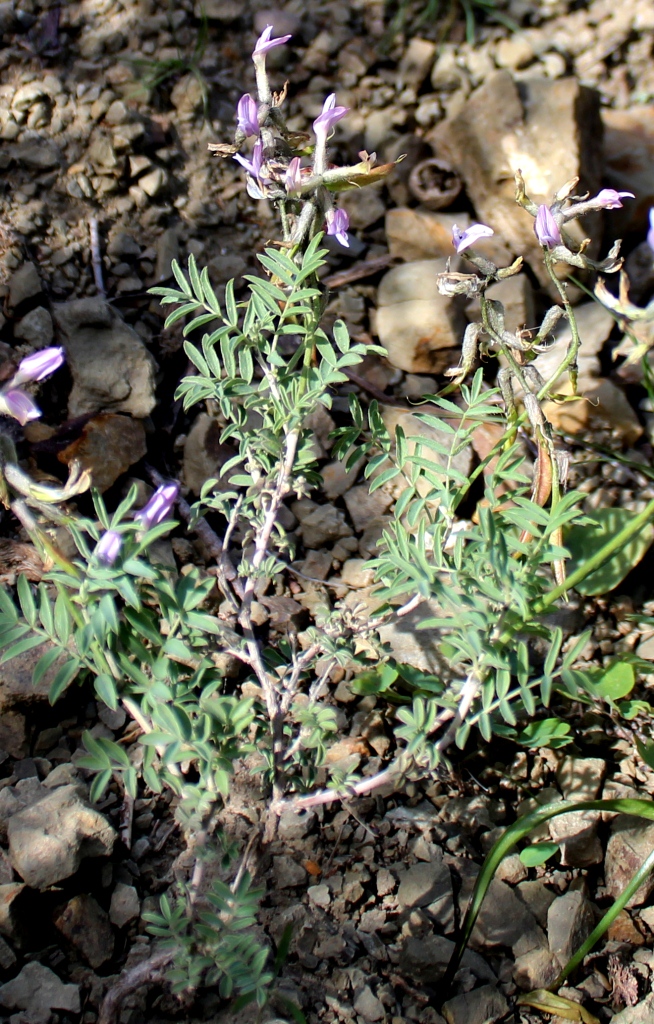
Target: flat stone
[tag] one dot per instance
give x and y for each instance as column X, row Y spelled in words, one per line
column 603, row 406
column 414, row 235
column 576, row 834
column 538, row 968
column 580, row 778
column 368, row 1006
column 629, row 155
column 416, row 62
column 24, row 284
column 364, row 206
column 153, row 182
column 320, row 895
column 413, row 646
column 355, row 573
column 108, row 445
column 288, row 873
column 187, row 96
column 594, row 324
column 49, row 840
column 570, row 920
column 631, row 841
column 111, row 367
column 504, row 920
column 362, row 506
column 517, row 296
column 16, row 687
column 483, row 1005
column 125, row 905
column 38, row 990
column 35, row 328
column 415, row 428
column 550, row 130
column 322, row 525
column 426, row 958
column 413, row 319
column 123, row 245
column 642, row 1013
column 37, row 154
column 424, row 883
column 86, row 926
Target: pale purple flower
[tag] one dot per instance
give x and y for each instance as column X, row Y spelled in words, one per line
column 265, row 43
column 293, row 176
column 337, row 224
column 108, row 547
column 464, row 239
column 546, row 228
column 246, row 115
column 326, row 120
column 20, row 405
column 610, row 199
column 650, row 233
column 159, row 506
column 39, row 365
column 252, row 166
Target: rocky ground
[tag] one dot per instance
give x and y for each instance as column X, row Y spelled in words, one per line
column 106, row 109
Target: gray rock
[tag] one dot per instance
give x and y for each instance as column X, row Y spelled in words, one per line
column 49, row 840
column 511, row 870
column 86, row 926
column 576, row 834
column 414, row 429
column 642, row 1013
column 288, row 873
column 414, row 320
column 538, row 968
column 7, row 955
column 423, row 884
column 24, row 284
column 416, row 63
column 123, row 245
column 363, row 506
column 549, row 129
column 426, row 959
column 154, row 181
column 37, row 154
column 16, row 686
column 35, row 328
column 631, row 841
column 413, row 646
column 364, row 206
column 368, row 1005
column 481, row 1006
column 125, row 905
column 14, row 907
column 580, row 778
column 537, row 897
column 110, row 365
column 38, row 990
column 570, row 920
column 187, row 96
column 320, row 895
column 517, row 296
column 167, row 251
column 321, row 524
column 594, row 324
column 504, row 920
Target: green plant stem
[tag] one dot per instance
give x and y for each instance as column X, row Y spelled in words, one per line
column 570, row 359
column 611, row 547
column 514, row 833
column 607, row 920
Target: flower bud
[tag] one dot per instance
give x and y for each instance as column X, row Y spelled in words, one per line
column 546, row 228
column 159, row 506
column 265, row 43
column 108, row 547
column 39, row 365
column 463, row 239
column 20, row 405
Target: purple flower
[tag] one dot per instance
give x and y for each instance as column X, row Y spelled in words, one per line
column 39, row 365
column 252, row 166
column 546, row 228
column 337, row 224
column 20, row 405
column 293, row 176
column 325, row 121
column 246, row 115
column 159, row 506
column 650, row 233
column 464, row 239
column 610, row 199
column 265, row 43
column 108, row 547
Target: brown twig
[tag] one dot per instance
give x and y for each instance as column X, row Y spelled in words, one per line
column 96, row 256
column 149, row 972
column 360, row 270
